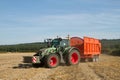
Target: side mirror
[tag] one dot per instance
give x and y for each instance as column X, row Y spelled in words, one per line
column 48, row 42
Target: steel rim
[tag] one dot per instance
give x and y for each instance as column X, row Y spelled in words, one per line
column 53, row 61
column 74, row 58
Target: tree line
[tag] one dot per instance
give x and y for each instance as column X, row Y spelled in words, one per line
column 28, row 47
column 111, row 47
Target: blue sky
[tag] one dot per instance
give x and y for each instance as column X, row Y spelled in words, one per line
column 25, row 21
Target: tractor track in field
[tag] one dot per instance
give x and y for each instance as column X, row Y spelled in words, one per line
column 89, row 72
column 14, row 67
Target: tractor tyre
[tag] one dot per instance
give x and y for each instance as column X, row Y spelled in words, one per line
column 52, row 60
column 73, row 57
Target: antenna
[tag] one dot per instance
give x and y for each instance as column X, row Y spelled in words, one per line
column 57, row 36
column 68, row 37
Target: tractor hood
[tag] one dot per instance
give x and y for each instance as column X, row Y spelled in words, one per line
column 47, row 51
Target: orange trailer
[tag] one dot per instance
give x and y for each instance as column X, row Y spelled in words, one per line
column 88, row 47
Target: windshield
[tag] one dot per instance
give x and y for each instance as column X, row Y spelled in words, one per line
column 56, row 42
column 61, row 43
column 64, row 43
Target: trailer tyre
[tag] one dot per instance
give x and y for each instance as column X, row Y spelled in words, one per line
column 94, row 59
column 52, row 60
column 73, row 57
column 97, row 58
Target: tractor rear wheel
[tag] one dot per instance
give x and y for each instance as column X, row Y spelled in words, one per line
column 73, row 57
column 52, row 60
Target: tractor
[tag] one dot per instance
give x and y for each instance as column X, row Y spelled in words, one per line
column 70, row 50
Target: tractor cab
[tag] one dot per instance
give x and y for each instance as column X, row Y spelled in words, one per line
column 59, row 42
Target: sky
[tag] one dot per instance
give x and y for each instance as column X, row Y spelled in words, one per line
column 26, row 21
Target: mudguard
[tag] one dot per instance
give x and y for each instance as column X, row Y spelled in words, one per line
column 69, row 49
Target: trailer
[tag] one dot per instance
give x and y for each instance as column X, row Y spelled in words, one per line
column 71, row 50
column 89, row 48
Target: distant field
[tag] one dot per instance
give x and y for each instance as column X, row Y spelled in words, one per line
column 17, row 66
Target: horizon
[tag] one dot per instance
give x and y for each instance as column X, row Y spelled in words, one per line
column 42, row 42
column 33, row 21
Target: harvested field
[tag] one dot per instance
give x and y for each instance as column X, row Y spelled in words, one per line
column 17, row 66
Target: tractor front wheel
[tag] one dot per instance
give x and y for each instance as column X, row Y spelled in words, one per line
column 52, row 60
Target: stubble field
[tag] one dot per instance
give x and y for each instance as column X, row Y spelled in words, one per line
column 17, row 66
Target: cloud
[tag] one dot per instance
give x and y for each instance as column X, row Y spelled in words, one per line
column 84, row 22
column 37, row 28
column 94, row 21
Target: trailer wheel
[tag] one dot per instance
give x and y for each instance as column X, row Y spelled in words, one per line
column 97, row 58
column 52, row 60
column 94, row 59
column 73, row 57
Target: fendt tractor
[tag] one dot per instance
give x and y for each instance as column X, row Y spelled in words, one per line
column 71, row 51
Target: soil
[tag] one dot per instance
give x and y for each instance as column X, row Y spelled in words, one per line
column 17, row 66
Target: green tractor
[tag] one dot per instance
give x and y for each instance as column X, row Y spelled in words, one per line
column 58, row 50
